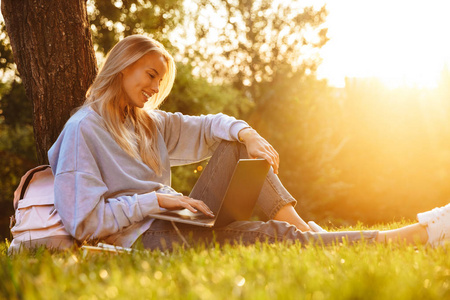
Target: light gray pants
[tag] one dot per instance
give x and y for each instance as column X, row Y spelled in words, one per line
column 211, row 186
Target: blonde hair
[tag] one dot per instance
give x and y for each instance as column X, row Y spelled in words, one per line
column 106, row 96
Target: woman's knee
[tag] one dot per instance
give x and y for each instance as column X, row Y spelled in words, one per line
column 236, row 148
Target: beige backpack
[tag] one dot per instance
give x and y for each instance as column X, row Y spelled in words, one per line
column 36, row 221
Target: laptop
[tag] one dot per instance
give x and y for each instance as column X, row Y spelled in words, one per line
column 236, row 205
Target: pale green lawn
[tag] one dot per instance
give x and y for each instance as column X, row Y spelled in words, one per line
column 232, row 272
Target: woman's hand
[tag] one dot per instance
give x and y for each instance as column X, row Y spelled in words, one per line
column 258, row 147
column 172, row 202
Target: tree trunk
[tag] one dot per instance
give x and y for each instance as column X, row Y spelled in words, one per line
column 55, row 57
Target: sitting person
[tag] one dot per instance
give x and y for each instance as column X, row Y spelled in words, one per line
column 112, row 165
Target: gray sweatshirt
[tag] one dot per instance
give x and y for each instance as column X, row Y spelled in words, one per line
column 101, row 192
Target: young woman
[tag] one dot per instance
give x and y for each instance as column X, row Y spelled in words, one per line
column 112, row 165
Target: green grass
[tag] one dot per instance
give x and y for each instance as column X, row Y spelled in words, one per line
column 262, row 271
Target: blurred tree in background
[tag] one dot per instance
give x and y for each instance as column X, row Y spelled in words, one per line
column 398, row 151
column 113, row 20
column 264, row 48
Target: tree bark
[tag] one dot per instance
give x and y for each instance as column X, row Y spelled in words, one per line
column 54, row 54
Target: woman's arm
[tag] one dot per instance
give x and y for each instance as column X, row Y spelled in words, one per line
column 193, row 138
column 86, row 212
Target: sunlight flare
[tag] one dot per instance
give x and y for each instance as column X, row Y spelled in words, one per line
column 403, row 43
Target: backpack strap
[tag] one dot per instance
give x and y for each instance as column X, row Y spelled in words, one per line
column 25, row 182
column 20, row 191
column 29, row 177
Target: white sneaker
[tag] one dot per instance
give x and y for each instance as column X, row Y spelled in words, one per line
column 315, row 228
column 437, row 221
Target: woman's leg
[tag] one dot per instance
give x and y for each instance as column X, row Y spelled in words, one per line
column 274, row 201
column 410, row 234
column 288, row 214
column 162, row 235
column 433, row 229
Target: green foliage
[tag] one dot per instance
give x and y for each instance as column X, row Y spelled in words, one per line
column 6, row 56
column 17, row 149
column 304, row 130
column 18, row 154
column 262, row 271
column 185, row 177
column 16, row 108
column 397, row 153
column 255, row 44
column 366, row 152
column 111, row 20
column 195, row 96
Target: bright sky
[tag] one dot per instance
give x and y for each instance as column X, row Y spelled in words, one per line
column 402, row 42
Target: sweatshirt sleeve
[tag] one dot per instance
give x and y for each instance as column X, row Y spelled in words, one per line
column 193, row 138
column 87, row 214
column 83, row 200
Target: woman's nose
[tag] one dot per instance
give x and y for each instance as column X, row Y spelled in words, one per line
column 155, row 87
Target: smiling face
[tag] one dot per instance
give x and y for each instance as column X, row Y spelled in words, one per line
column 141, row 80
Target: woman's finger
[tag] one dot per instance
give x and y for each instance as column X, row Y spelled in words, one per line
column 189, row 207
column 272, row 161
column 271, row 157
column 204, row 208
column 273, row 153
column 275, row 157
column 200, row 205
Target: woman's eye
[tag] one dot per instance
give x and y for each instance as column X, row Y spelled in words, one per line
column 151, row 75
